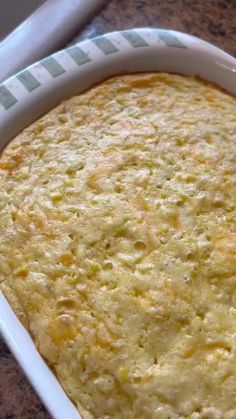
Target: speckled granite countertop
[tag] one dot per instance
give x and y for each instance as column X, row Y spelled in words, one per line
column 212, row 20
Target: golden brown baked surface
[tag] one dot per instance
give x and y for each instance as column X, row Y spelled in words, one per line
column 118, row 246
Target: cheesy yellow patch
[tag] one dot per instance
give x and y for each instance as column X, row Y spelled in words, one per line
column 118, row 243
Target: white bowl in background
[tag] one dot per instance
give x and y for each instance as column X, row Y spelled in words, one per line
column 32, row 92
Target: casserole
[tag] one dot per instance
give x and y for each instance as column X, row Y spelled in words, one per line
column 140, row 54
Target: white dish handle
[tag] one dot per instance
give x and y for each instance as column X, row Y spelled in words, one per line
column 50, row 27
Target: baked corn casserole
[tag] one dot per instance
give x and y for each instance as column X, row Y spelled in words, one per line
column 118, row 246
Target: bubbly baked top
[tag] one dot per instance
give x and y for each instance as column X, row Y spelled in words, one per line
column 118, row 246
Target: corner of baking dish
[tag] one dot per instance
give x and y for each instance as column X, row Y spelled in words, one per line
column 30, row 93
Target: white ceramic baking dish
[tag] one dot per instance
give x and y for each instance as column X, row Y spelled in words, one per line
column 35, row 90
